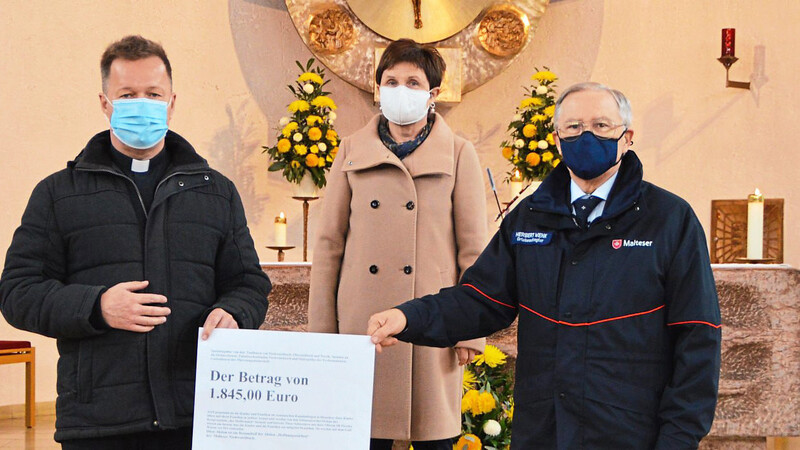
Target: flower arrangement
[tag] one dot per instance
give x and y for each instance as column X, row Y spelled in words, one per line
column 487, row 405
column 530, row 147
column 306, row 141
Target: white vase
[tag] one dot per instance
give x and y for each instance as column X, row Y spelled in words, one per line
column 306, row 188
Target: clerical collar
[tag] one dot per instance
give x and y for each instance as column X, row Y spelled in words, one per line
column 138, row 166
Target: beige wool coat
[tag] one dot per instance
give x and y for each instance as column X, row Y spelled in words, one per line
column 391, row 231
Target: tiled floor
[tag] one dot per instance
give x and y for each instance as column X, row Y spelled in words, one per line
column 14, row 435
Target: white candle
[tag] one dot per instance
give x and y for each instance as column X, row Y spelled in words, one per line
column 516, row 184
column 755, row 225
column 280, row 230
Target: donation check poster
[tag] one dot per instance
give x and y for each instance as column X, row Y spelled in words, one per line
column 260, row 389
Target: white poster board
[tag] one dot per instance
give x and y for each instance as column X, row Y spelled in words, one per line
column 260, row 389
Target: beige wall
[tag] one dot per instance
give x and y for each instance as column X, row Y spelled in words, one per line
column 232, row 59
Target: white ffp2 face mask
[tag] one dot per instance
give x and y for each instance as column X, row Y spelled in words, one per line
column 402, row 105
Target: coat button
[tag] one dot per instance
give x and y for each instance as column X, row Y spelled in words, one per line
column 180, row 183
column 155, row 423
column 410, row 206
column 374, row 204
column 205, row 177
column 574, row 262
column 562, row 395
column 373, row 269
column 608, row 226
column 407, row 270
column 568, row 315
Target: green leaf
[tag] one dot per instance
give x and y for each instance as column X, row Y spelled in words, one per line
column 276, row 166
column 300, row 66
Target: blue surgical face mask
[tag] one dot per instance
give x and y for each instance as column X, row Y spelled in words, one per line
column 139, row 123
column 589, row 156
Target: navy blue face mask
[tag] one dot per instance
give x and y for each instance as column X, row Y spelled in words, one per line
column 589, row 156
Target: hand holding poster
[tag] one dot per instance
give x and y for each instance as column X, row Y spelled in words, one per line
column 273, row 389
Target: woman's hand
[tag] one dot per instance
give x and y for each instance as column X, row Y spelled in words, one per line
column 465, row 355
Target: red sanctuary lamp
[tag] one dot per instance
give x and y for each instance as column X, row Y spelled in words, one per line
column 728, row 57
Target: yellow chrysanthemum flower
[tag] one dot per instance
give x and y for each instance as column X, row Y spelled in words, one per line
column 491, row 356
column 333, row 142
column 314, row 149
column 529, row 130
column 544, row 75
column 510, row 412
column 555, row 163
column 532, row 145
column 549, row 111
column 468, row 442
column 310, row 76
column 468, row 380
column 329, row 158
column 508, row 152
column 323, row 102
column 320, row 162
column 469, row 399
column 331, row 135
column 300, row 149
column 314, row 133
column 284, row 145
column 295, row 164
column 547, row 156
column 312, row 120
column 289, row 128
column 538, row 118
column 299, row 105
column 533, row 159
column 312, row 160
column 550, row 139
column 530, row 101
column 334, row 151
column 486, row 402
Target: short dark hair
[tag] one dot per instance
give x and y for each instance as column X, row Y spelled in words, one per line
column 131, row 48
column 426, row 57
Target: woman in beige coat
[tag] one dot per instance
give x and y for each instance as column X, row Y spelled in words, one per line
column 403, row 216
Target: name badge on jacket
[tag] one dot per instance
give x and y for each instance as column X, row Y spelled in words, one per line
column 531, row 238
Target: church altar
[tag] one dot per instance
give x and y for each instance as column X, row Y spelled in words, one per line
column 760, row 372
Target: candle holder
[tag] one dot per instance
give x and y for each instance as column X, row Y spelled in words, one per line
column 727, row 61
column 306, row 207
column 281, row 249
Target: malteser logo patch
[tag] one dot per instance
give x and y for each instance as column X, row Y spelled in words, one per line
column 616, row 244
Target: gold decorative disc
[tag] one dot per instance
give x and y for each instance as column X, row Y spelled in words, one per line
column 330, row 29
column 422, row 20
column 503, row 31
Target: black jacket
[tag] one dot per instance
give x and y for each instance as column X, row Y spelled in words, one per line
column 82, row 232
column 619, row 326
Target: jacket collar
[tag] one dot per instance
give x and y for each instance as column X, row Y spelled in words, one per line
column 433, row 156
column 553, row 195
column 96, row 155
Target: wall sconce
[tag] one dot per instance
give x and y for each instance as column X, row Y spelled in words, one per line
column 728, row 57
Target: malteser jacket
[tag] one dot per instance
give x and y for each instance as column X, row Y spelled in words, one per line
column 82, row 232
column 619, row 325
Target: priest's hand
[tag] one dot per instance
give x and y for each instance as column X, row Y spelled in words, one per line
column 219, row 318
column 125, row 309
column 384, row 325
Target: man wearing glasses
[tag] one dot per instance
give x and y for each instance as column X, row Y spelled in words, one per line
column 619, row 326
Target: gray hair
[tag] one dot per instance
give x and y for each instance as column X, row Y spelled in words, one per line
column 622, row 101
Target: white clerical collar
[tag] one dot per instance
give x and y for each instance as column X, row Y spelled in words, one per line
column 575, row 192
column 140, row 165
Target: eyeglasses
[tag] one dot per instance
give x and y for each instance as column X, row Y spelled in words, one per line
column 601, row 128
